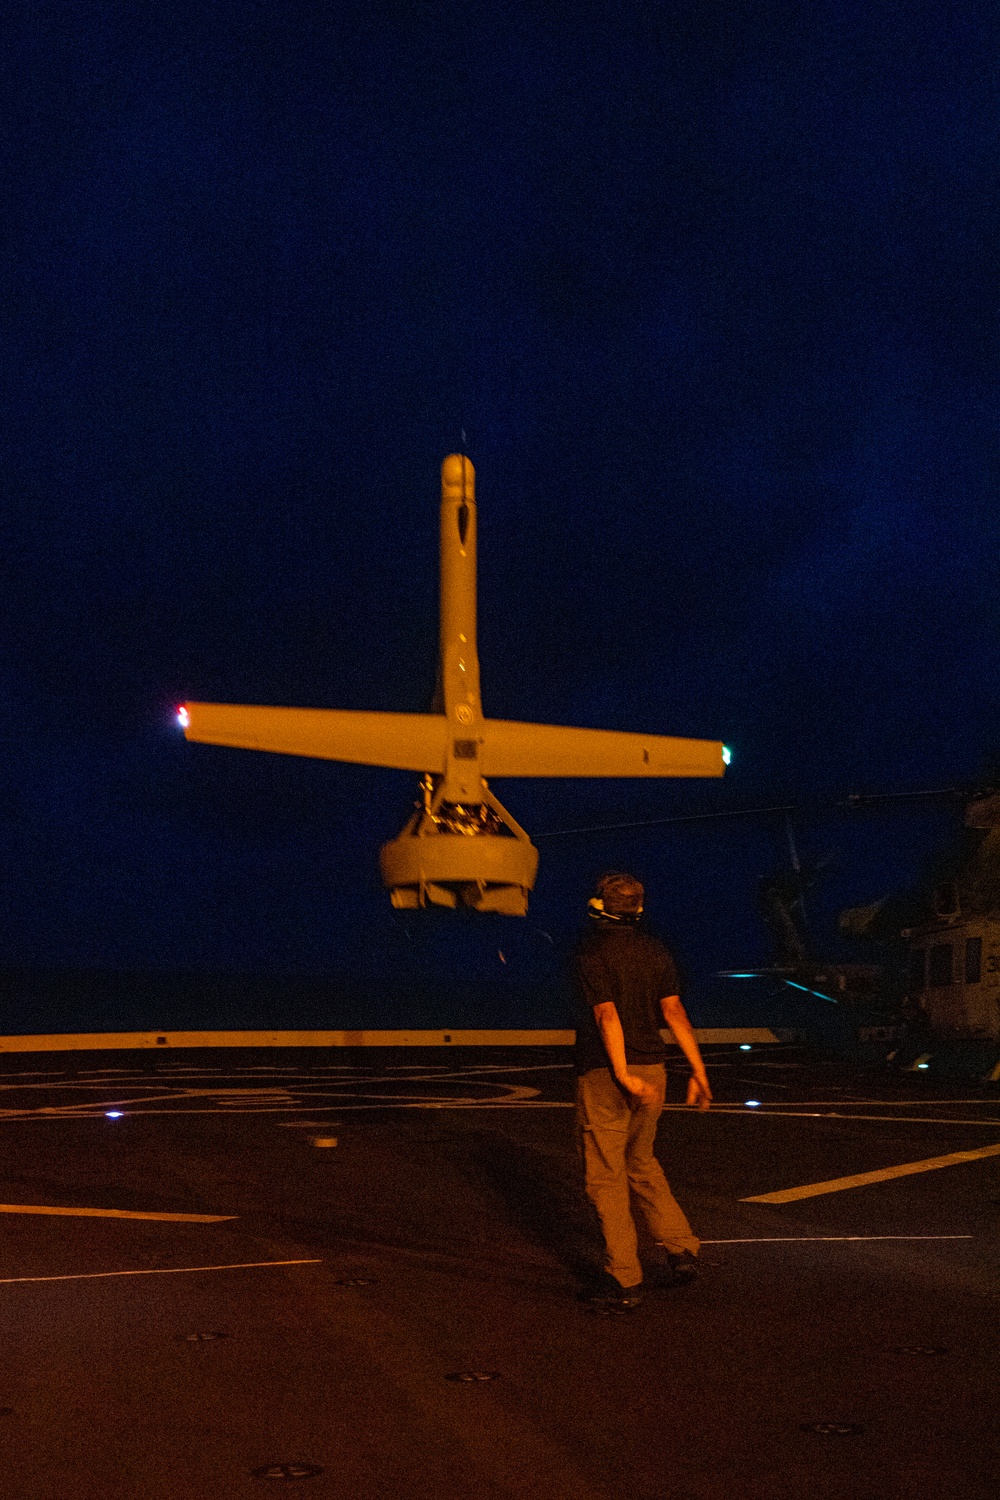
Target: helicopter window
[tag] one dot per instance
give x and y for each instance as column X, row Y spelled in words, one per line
column 946, row 899
column 940, row 965
column 918, row 969
column 973, row 960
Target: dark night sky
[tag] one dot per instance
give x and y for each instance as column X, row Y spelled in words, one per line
column 712, row 290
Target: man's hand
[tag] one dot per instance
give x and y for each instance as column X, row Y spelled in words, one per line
column 639, row 1088
column 698, row 1091
column 676, row 1018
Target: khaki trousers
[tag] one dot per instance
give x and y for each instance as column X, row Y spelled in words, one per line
column 615, row 1136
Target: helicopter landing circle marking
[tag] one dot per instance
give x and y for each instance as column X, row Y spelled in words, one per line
column 318, row 1091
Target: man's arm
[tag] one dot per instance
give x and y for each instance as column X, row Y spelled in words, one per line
column 675, row 1017
column 610, row 1026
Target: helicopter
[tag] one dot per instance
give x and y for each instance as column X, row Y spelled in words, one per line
column 796, row 963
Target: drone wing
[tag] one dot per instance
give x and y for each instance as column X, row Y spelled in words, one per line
column 419, row 742
column 513, row 749
column 404, row 742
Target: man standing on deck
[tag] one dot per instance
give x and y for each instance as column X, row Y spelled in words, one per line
column 627, row 989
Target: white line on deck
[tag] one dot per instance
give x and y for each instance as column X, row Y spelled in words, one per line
column 816, row 1114
column 112, row 1213
column 848, row 1101
column 809, row 1239
column 862, row 1179
column 36, row 1073
column 242, row 1265
column 95, row 1111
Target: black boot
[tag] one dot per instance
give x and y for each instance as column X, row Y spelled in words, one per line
column 608, row 1295
column 684, row 1267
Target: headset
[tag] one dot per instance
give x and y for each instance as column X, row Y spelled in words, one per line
column 595, row 909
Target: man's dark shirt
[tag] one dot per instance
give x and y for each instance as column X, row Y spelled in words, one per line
column 621, row 963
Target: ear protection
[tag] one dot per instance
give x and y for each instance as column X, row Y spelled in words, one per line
column 595, row 908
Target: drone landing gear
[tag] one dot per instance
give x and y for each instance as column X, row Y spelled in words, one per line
column 454, row 854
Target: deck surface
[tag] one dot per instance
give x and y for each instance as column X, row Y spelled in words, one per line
column 288, row 1303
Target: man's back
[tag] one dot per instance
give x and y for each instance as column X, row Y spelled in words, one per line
column 620, row 963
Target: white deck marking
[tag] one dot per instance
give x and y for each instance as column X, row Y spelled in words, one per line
column 862, row 1179
column 85, row 1111
column 849, row 1100
column 280, row 1097
column 65, row 1117
column 838, row 1239
column 479, row 1104
column 113, row 1213
column 240, row 1265
column 814, row 1114
column 180, row 1089
column 307, row 1124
